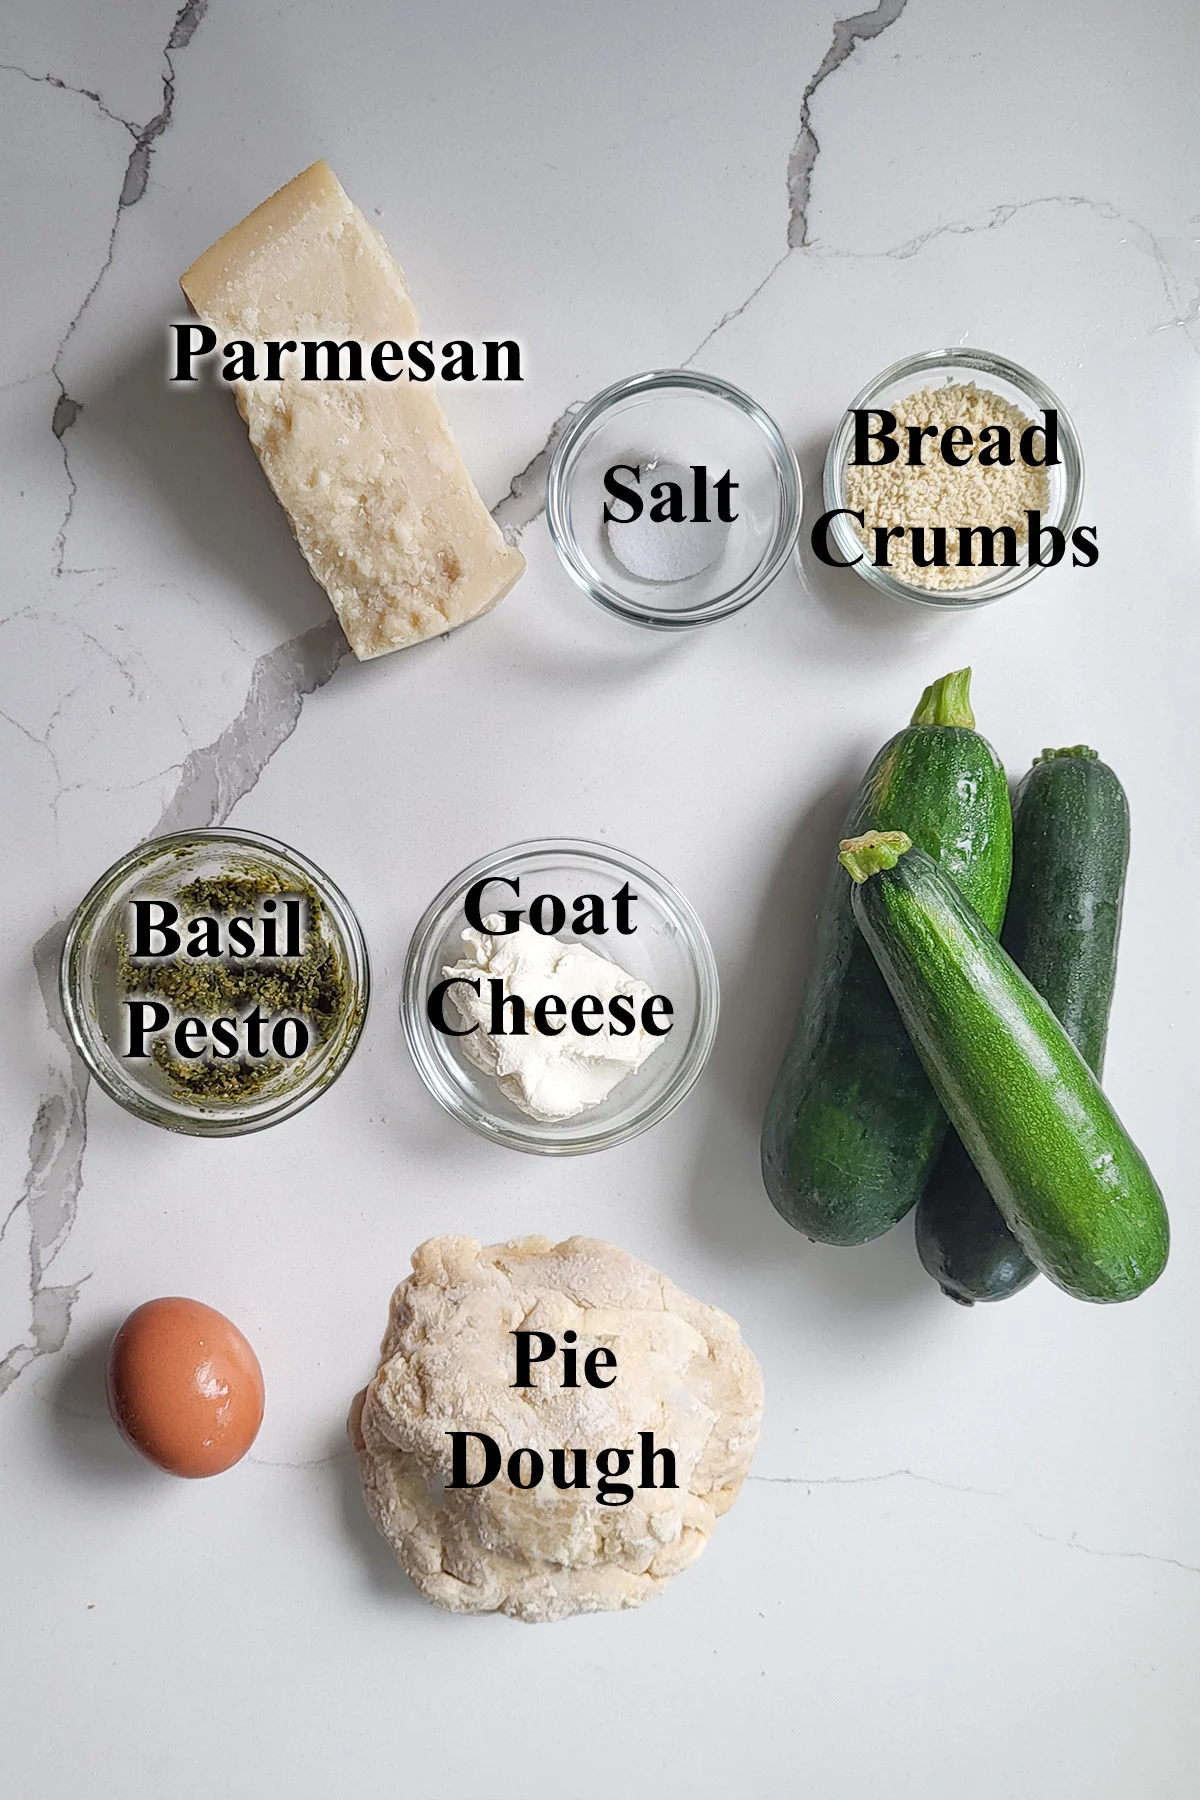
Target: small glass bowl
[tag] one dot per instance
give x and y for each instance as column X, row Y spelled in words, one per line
column 675, row 416
column 89, row 987
column 1013, row 384
column 668, row 950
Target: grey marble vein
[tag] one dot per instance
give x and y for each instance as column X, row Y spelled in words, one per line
column 953, row 1487
column 216, row 777
column 735, row 312
column 992, row 220
column 304, row 1462
column 526, row 496
column 1184, row 305
column 1072, row 1543
column 525, row 499
column 1183, row 301
column 65, row 87
column 137, row 171
column 58, row 1137
column 847, row 35
column 133, row 186
column 51, row 1193
column 211, row 782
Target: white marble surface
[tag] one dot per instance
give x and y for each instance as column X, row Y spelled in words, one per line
column 968, row 1559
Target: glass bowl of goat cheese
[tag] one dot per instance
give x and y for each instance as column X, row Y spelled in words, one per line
column 953, row 478
column 559, row 997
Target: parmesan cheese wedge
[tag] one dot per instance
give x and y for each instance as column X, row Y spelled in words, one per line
column 368, row 473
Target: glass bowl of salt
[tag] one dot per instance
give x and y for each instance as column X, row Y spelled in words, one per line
column 673, row 499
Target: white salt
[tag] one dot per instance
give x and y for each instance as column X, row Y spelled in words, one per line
column 663, row 550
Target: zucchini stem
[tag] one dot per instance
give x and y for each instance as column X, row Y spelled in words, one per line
column 862, row 857
column 947, row 701
column 1080, row 750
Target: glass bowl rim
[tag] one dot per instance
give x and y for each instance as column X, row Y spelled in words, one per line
column 980, row 361
column 787, row 530
column 75, row 1011
column 699, row 952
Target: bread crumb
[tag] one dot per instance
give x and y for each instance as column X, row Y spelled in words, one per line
column 935, row 492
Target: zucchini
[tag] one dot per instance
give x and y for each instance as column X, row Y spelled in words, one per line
column 852, row 1127
column 1073, row 1187
column 1070, row 853
column 1064, row 919
column 962, row 1239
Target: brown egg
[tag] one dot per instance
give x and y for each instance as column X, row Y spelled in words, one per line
column 184, row 1387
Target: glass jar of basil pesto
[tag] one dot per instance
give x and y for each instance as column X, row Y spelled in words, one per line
column 215, row 982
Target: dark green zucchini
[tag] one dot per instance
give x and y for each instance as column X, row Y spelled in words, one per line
column 962, row 1239
column 852, row 1127
column 1064, row 919
column 1073, row 1187
column 1070, row 853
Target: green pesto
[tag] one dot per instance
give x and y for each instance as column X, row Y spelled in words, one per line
column 313, row 985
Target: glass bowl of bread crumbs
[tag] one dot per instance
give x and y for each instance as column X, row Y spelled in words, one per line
column 968, row 474
column 214, row 982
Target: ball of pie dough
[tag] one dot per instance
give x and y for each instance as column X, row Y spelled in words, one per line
column 448, row 1364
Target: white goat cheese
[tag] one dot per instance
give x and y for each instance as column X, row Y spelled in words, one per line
column 548, row 1076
